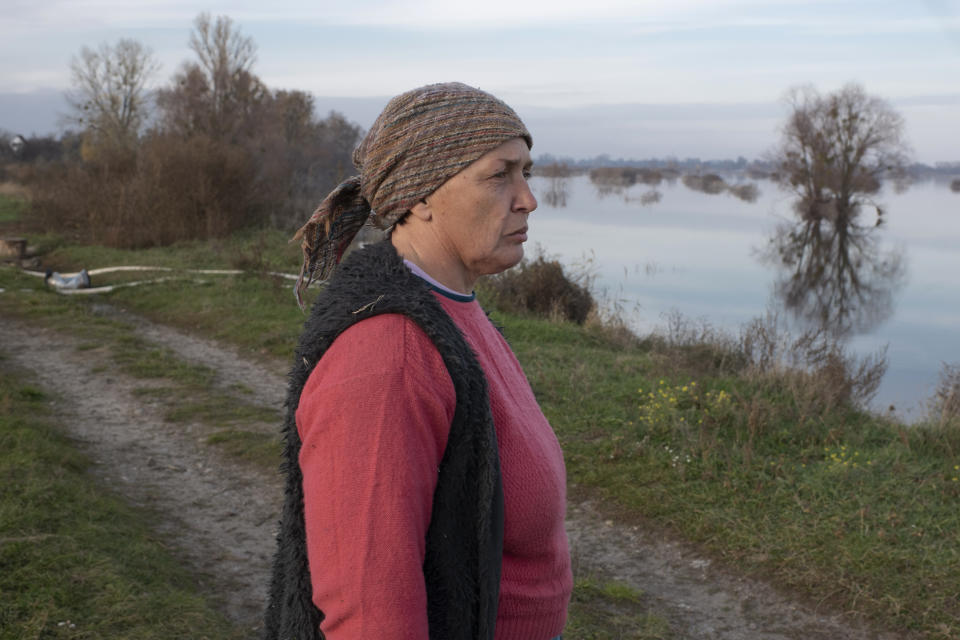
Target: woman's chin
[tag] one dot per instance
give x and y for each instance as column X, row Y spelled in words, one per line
column 511, row 258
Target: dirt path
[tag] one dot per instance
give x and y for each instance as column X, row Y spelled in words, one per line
column 221, row 515
column 702, row 601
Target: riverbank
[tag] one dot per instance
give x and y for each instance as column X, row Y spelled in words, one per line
column 769, row 471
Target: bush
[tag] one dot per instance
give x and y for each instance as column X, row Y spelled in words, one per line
column 624, row 177
column 170, row 189
column 955, row 185
column 540, row 287
column 748, row 192
column 945, row 405
column 710, row 183
column 813, row 368
column 689, row 348
column 811, row 374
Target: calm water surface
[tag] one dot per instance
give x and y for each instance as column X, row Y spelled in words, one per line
column 703, row 255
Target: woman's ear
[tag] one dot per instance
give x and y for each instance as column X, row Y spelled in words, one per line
column 422, row 210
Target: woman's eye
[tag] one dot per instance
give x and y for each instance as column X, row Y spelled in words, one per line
column 527, row 175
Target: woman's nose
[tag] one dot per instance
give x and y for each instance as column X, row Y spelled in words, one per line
column 525, row 200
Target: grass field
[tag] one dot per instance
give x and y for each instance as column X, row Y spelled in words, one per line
column 769, row 471
column 12, row 207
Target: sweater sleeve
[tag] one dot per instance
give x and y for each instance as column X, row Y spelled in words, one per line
column 373, row 420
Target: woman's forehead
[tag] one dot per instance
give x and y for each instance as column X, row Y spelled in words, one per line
column 513, row 151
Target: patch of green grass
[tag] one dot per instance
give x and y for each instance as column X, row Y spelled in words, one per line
column 218, row 410
column 257, row 313
column 142, row 360
column 75, row 561
column 259, row 448
column 240, row 389
column 267, row 250
column 12, row 208
column 608, row 610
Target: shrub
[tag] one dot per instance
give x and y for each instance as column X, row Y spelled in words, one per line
column 623, row 177
column 748, row 192
column 811, row 374
column 813, row 368
column 710, row 183
column 169, row 189
column 689, row 348
column 945, row 404
column 955, row 185
column 540, row 287
column 553, row 170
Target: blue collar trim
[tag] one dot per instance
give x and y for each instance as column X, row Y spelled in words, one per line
column 458, row 297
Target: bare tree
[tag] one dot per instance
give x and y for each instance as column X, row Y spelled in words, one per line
column 835, row 152
column 109, row 97
column 836, row 149
column 219, row 94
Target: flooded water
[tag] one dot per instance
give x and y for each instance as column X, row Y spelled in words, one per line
column 721, row 259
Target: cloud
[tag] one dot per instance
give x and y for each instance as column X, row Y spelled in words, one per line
column 414, row 14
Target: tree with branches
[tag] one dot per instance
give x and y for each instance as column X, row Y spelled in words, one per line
column 218, row 95
column 836, row 150
column 109, row 98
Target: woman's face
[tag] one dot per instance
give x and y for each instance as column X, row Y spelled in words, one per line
column 480, row 214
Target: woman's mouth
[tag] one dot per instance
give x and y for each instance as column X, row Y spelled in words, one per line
column 519, row 234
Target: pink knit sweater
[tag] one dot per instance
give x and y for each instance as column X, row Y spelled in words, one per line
column 370, row 462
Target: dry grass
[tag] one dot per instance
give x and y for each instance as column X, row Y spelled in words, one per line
column 944, row 407
column 14, row 190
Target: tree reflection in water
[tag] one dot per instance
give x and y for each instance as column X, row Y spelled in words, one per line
column 835, row 275
column 619, row 180
column 835, row 151
column 558, row 190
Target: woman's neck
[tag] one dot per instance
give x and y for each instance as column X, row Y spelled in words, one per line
column 432, row 259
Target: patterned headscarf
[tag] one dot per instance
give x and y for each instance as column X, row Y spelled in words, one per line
column 422, row 139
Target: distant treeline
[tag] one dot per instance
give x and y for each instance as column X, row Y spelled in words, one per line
column 757, row 168
column 213, row 151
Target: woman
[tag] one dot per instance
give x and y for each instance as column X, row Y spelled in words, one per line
column 425, row 490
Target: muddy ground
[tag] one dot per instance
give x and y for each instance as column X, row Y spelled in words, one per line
column 220, row 515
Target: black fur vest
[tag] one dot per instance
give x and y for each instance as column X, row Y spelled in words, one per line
column 464, row 545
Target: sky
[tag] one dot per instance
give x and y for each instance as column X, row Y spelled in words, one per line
column 640, row 79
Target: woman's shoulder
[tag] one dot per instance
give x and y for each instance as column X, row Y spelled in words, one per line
column 386, row 334
column 387, row 344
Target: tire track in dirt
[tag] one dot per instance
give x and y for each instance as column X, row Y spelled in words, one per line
column 221, row 515
column 258, row 384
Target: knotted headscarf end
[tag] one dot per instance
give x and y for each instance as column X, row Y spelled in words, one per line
column 329, row 231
